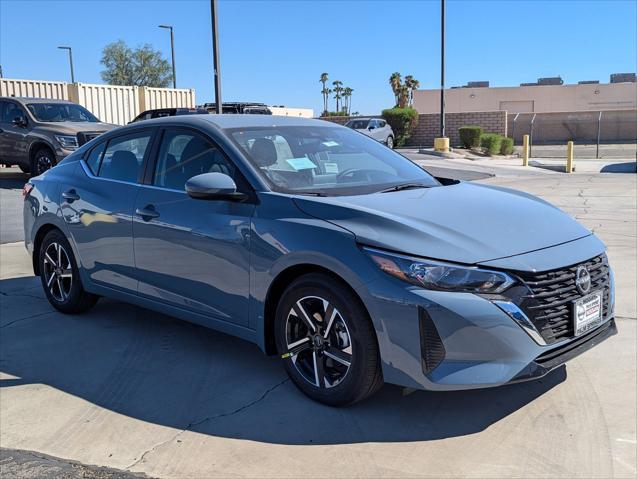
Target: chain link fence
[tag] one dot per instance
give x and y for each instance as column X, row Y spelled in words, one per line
column 596, row 134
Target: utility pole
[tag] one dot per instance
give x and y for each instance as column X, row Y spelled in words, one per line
column 441, row 144
column 172, row 50
column 442, row 68
column 215, row 56
column 70, row 61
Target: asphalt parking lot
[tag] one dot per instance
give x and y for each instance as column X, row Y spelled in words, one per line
column 137, row 391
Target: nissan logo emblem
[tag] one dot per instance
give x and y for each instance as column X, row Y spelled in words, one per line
column 583, row 280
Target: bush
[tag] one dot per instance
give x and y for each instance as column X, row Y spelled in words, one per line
column 491, row 143
column 507, row 146
column 402, row 121
column 470, row 136
column 335, row 113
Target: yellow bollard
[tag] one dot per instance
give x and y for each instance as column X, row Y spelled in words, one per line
column 441, row 144
column 525, row 150
column 569, row 157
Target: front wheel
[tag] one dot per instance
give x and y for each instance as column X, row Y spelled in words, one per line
column 60, row 276
column 42, row 160
column 327, row 341
column 390, row 142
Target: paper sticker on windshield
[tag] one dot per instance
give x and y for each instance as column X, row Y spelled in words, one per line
column 330, row 143
column 331, row 167
column 303, row 163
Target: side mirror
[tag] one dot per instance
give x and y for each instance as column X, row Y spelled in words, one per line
column 20, row 121
column 213, row 186
column 371, row 127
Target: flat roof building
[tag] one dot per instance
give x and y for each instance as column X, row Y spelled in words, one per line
column 546, row 96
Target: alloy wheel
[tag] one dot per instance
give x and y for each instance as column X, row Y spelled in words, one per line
column 318, row 342
column 58, row 272
column 390, row 142
column 43, row 162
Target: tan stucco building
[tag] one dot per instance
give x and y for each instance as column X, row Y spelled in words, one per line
column 536, row 98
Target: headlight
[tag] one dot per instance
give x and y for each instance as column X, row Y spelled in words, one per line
column 67, row 141
column 440, row 276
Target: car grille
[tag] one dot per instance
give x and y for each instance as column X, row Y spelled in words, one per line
column 86, row 136
column 550, row 302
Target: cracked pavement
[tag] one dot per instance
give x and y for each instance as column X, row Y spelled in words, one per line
column 140, row 392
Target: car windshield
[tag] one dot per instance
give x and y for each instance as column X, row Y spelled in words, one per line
column 325, row 160
column 60, row 112
column 357, row 124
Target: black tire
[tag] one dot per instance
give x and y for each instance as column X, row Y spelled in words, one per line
column 25, row 169
column 350, row 330
column 64, row 292
column 42, row 160
column 390, row 142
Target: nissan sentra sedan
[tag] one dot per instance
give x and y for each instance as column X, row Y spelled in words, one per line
column 345, row 259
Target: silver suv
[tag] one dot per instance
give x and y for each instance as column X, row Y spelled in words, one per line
column 37, row 133
column 375, row 128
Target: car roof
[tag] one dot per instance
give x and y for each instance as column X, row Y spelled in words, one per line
column 24, row 99
column 225, row 121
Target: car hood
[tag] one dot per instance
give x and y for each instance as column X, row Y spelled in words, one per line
column 73, row 127
column 465, row 222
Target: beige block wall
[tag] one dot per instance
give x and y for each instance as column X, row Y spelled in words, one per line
column 538, row 99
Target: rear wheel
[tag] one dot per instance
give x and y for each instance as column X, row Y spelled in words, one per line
column 60, row 276
column 42, row 160
column 327, row 340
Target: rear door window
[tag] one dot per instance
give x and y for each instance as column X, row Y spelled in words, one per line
column 124, row 157
column 94, row 157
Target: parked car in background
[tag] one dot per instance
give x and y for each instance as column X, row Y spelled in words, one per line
column 240, row 108
column 375, row 128
column 37, row 133
column 347, row 260
column 162, row 112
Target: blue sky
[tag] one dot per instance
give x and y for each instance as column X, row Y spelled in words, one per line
column 275, row 51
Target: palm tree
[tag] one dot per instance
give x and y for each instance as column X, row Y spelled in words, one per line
column 412, row 84
column 325, row 91
column 338, row 88
column 403, row 96
column 347, row 94
column 395, row 82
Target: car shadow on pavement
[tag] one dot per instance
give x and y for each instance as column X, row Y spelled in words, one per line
column 12, row 179
column 164, row 371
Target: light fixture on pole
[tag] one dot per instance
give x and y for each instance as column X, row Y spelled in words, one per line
column 215, row 56
column 172, row 51
column 70, row 61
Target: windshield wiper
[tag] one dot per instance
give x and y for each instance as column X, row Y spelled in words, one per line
column 309, row 193
column 404, row 186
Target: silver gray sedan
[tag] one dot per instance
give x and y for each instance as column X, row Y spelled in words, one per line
column 346, row 260
column 375, row 128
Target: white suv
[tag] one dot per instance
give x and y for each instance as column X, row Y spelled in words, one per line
column 375, row 128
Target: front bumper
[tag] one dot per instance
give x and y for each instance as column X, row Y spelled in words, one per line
column 441, row 341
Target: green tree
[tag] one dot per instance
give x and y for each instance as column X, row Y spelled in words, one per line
column 403, row 92
column 347, row 95
column 325, row 92
column 395, row 82
column 141, row 66
column 412, row 84
column 338, row 89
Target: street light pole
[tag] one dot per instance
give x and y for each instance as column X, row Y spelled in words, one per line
column 70, row 62
column 442, row 68
column 172, row 51
column 215, row 56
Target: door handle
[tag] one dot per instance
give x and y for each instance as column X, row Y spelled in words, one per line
column 147, row 213
column 70, row 196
